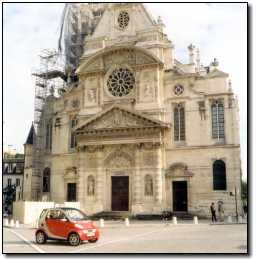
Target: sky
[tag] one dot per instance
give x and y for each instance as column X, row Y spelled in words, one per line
column 218, row 30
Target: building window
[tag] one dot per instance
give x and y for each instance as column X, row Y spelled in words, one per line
column 48, row 144
column 46, row 180
column 90, row 186
column 73, row 142
column 148, row 185
column 219, row 175
column 121, row 82
column 123, row 19
column 17, row 182
column 179, row 123
column 71, row 192
column 9, row 181
column 217, row 120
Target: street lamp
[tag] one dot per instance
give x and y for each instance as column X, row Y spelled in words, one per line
column 236, row 192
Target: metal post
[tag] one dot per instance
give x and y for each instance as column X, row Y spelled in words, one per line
column 236, row 205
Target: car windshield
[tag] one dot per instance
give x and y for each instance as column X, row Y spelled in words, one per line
column 76, row 215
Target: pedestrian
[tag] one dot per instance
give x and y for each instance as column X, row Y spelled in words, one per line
column 213, row 212
column 221, row 211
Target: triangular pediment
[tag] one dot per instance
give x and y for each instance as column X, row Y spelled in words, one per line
column 118, row 118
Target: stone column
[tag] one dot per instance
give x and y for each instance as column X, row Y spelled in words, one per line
column 99, row 185
column 158, row 179
column 136, row 205
column 80, row 172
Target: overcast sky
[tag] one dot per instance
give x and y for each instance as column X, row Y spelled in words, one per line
column 219, row 30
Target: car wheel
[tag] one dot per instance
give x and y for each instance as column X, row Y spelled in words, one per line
column 74, row 239
column 93, row 240
column 40, row 237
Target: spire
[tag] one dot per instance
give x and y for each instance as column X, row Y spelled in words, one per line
column 30, row 135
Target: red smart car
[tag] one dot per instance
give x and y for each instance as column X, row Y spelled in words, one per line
column 68, row 224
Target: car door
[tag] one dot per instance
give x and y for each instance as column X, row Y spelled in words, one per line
column 57, row 224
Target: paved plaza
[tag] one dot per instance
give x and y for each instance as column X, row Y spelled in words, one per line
column 140, row 237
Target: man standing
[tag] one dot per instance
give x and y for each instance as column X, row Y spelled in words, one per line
column 213, row 212
column 221, row 211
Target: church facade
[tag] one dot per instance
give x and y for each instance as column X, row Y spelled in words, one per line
column 141, row 132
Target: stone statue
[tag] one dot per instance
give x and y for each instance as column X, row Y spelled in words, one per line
column 92, row 95
column 91, row 186
column 149, row 186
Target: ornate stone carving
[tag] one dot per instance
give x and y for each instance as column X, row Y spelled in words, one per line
column 119, row 159
column 179, row 170
column 148, row 185
column 118, row 119
column 90, row 185
column 91, row 95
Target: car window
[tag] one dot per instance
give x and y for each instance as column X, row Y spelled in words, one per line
column 56, row 214
column 76, row 215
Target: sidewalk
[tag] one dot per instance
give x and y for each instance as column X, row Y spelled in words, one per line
column 148, row 223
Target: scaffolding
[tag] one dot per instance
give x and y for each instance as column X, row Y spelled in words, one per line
column 78, row 21
column 49, row 79
column 55, row 74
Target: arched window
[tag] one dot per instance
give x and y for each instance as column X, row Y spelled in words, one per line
column 73, row 123
column 218, row 120
column 219, row 175
column 148, row 185
column 179, row 123
column 46, row 180
column 90, row 186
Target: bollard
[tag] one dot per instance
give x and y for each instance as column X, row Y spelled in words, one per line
column 17, row 224
column 229, row 219
column 195, row 220
column 240, row 219
column 6, row 222
column 12, row 223
column 127, row 223
column 174, row 220
column 101, row 222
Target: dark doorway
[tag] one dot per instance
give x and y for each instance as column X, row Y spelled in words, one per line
column 180, row 196
column 71, row 194
column 120, row 193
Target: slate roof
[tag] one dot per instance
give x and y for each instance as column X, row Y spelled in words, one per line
column 30, row 135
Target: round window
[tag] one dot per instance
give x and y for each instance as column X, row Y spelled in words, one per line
column 123, row 19
column 120, row 82
column 178, row 90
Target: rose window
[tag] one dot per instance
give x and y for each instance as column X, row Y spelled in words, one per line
column 178, row 90
column 120, row 82
column 123, row 19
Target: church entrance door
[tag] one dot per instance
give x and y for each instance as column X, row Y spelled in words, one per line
column 180, row 196
column 120, row 193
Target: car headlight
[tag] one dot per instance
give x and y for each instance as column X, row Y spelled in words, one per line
column 79, row 226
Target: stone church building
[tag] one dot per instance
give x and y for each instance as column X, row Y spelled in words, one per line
column 140, row 131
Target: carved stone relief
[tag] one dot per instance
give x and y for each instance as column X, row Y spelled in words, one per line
column 118, row 118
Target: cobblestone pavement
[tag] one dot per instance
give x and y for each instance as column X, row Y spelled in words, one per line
column 140, row 237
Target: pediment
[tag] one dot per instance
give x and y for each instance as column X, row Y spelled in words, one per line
column 118, row 118
column 118, row 55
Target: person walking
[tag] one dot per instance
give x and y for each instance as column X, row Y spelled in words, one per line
column 213, row 212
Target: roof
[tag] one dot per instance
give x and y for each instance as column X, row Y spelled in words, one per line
column 31, row 134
